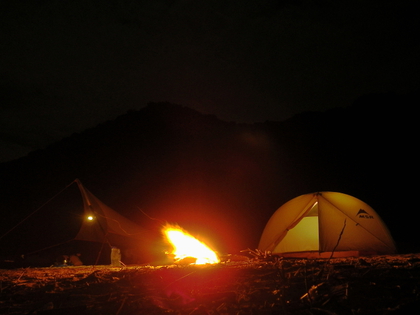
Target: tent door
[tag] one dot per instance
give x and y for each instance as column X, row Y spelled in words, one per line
column 303, row 237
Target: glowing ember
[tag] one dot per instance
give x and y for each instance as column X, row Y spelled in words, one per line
column 184, row 245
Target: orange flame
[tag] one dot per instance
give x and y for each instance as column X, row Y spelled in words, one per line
column 184, row 245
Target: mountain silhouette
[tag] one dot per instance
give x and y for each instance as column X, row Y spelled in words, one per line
column 223, row 180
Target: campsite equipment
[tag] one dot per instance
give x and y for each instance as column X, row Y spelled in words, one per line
column 323, row 224
column 115, row 256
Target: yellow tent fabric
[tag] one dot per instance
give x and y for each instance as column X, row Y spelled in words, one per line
column 326, row 222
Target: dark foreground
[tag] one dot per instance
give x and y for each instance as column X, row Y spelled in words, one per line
column 367, row 285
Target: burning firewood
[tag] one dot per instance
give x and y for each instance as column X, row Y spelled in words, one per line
column 185, row 261
column 185, row 246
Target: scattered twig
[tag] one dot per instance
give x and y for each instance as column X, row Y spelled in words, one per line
column 259, row 254
column 24, row 270
column 121, row 306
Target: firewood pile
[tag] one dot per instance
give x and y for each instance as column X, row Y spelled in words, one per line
column 363, row 285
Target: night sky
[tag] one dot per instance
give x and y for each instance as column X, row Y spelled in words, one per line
column 69, row 65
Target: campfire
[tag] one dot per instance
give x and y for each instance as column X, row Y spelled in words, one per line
column 186, row 249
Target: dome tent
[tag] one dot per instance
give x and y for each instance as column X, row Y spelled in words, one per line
column 325, row 223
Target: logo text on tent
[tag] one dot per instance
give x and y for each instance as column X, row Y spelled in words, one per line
column 364, row 215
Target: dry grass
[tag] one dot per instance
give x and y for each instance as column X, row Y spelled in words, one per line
column 367, row 285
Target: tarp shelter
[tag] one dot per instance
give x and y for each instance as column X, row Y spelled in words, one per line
column 80, row 223
column 325, row 223
column 102, row 224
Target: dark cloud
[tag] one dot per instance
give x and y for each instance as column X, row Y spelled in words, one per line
column 69, row 65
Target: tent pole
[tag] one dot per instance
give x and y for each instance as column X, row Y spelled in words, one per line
column 102, row 247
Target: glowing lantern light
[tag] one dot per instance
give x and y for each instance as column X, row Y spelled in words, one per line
column 186, row 246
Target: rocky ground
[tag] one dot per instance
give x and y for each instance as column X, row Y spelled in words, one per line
column 363, row 285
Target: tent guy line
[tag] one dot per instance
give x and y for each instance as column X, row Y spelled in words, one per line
column 36, row 210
